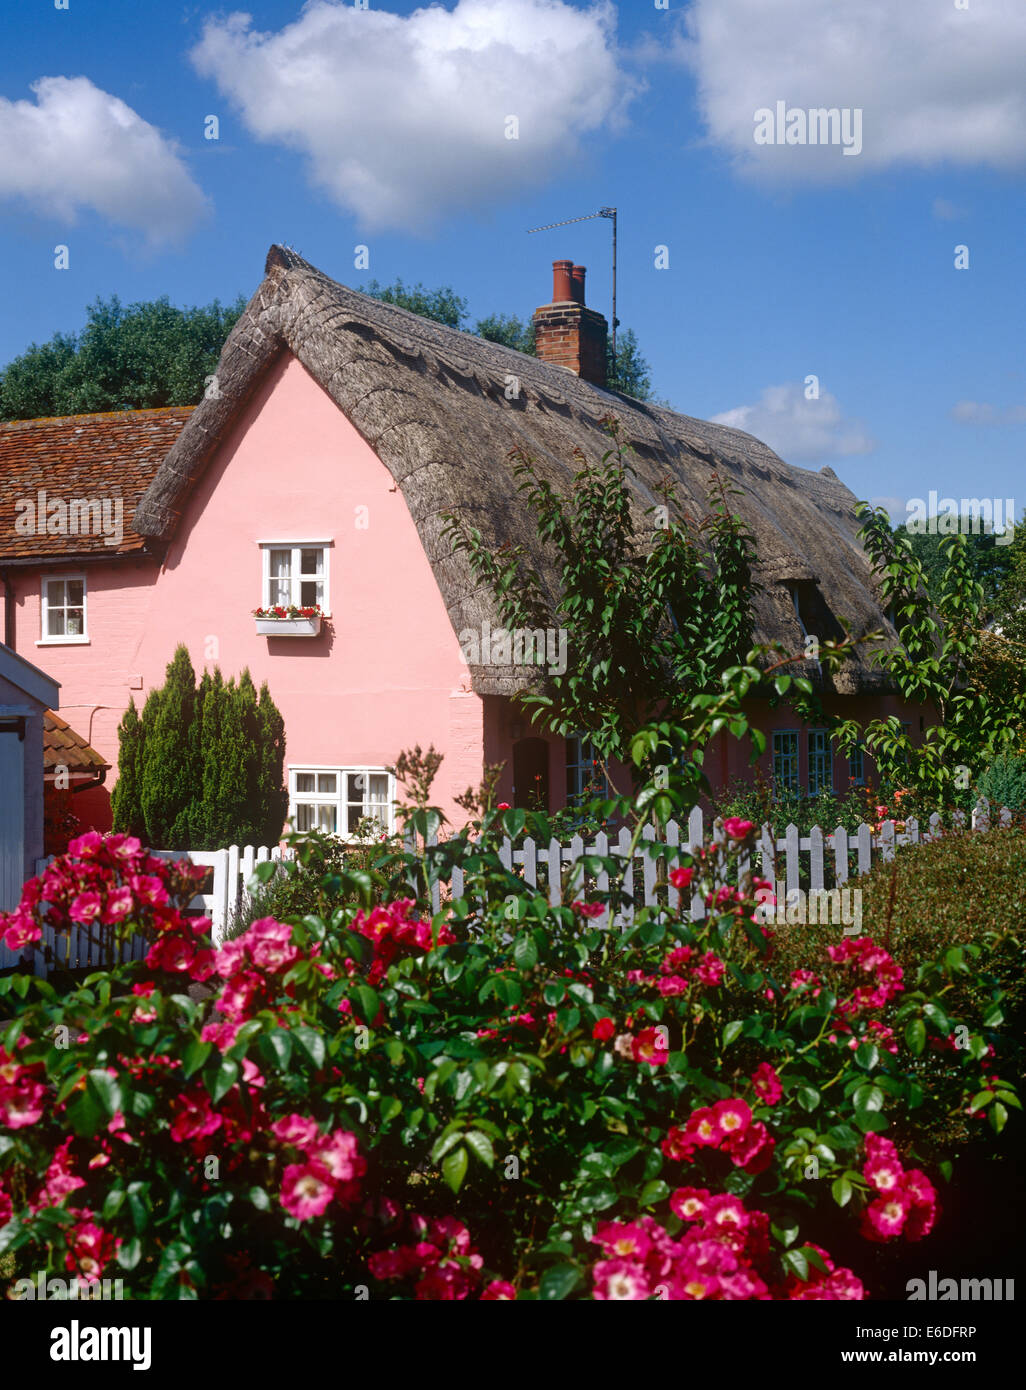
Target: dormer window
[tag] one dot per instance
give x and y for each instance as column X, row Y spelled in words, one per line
column 296, row 574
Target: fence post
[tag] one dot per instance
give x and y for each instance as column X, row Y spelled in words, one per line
column 792, row 850
column 816, row 858
column 840, row 855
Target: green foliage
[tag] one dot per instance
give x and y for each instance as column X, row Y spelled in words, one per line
column 202, row 769
column 989, row 562
column 167, row 757
column 940, row 660
column 756, row 801
column 628, row 371
column 443, row 305
column 508, row 330
column 489, row 1065
column 1003, row 784
column 658, row 618
column 126, row 801
column 137, row 357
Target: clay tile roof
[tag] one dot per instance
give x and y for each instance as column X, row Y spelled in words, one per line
column 103, row 457
column 63, row 747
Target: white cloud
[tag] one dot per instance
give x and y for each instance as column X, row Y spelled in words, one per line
column 936, row 84
column 79, row 147
column 983, row 413
column 896, row 508
column 800, row 430
column 403, row 119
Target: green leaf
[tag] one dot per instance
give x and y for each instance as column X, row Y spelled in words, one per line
column 129, row 1253
column 807, row 1097
column 867, row 1055
column 915, row 1035
column 276, row 1046
column 731, row 1031
column 195, row 1054
column 454, row 1168
column 224, row 1079
column 796, row 1262
column 997, row 1117
column 655, row 1191
column 369, row 1006
column 312, row 1042
column 841, row 1191
column 558, row 1282
column 481, row 1145
column 106, row 1090
column 525, row 952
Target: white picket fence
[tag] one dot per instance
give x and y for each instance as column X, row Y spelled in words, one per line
column 829, row 863
column 821, row 859
column 232, row 869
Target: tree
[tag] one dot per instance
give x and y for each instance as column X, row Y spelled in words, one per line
column 509, row 331
column 443, row 305
column 628, row 371
column 945, row 659
column 125, row 801
column 990, row 562
column 137, row 357
column 169, row 771
column 203, row 768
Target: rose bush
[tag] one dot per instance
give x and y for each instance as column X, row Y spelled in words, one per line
column 507, row 1099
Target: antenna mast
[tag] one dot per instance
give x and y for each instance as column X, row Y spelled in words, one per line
column 602, row 212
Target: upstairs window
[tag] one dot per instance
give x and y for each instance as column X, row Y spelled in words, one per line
column 63, row 610
column 295, row 574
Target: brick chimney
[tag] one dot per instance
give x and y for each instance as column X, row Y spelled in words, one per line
column 566, row 333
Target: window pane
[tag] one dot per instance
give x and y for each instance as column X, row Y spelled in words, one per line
column 281, row 563
column 311, row 562
column 327, row 782
column 55, row 621
column 55, row 593
column 311, row 592
column 326, row 819
column 76, row 592
column 280, row 593
column 304, row 782
column 355, row 784
column 304, row 817
column 74, row 622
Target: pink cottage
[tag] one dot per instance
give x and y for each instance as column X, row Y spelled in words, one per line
column 337, row 434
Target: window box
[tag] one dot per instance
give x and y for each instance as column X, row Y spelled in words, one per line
column 288, row 622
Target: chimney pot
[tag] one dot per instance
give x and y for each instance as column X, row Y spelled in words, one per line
column 577, row 282
column 562, row 283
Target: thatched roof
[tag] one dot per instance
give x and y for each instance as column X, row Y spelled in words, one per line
column 431, row 402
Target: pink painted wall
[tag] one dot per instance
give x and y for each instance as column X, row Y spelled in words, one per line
column 388, row 674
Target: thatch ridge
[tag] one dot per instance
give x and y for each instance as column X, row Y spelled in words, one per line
column 431, row 402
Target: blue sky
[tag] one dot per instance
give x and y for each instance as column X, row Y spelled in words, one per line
column 387, row 127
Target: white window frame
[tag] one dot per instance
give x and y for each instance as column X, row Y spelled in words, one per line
column 815, row 754
column 857, row 760
column 295, row 578
column 794, row 734
column 61, row 639
column 340, row 799
column 577, row 766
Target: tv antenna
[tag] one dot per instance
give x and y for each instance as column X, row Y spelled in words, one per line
column 602, row 212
